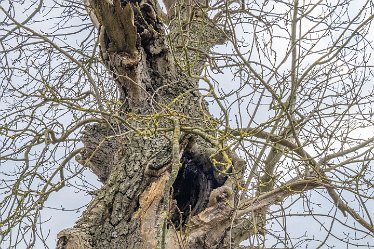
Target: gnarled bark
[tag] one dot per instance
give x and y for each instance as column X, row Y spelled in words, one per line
column 168, row 183
column 136, row 159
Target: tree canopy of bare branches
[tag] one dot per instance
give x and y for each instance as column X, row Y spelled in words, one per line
column 208, row 124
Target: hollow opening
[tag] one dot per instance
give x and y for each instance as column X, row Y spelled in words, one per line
column 192, row 187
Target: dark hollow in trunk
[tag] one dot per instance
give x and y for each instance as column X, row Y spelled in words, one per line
column 192, row 188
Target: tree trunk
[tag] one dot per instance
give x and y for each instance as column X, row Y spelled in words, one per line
column 161, row 189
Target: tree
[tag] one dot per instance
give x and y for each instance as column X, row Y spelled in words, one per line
column 292, row 126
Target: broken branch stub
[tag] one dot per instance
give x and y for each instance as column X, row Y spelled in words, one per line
column 133, row 47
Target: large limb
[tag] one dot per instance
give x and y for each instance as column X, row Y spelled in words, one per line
column 316, row 166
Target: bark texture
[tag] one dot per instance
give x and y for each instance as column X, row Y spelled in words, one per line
column 161, row 189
